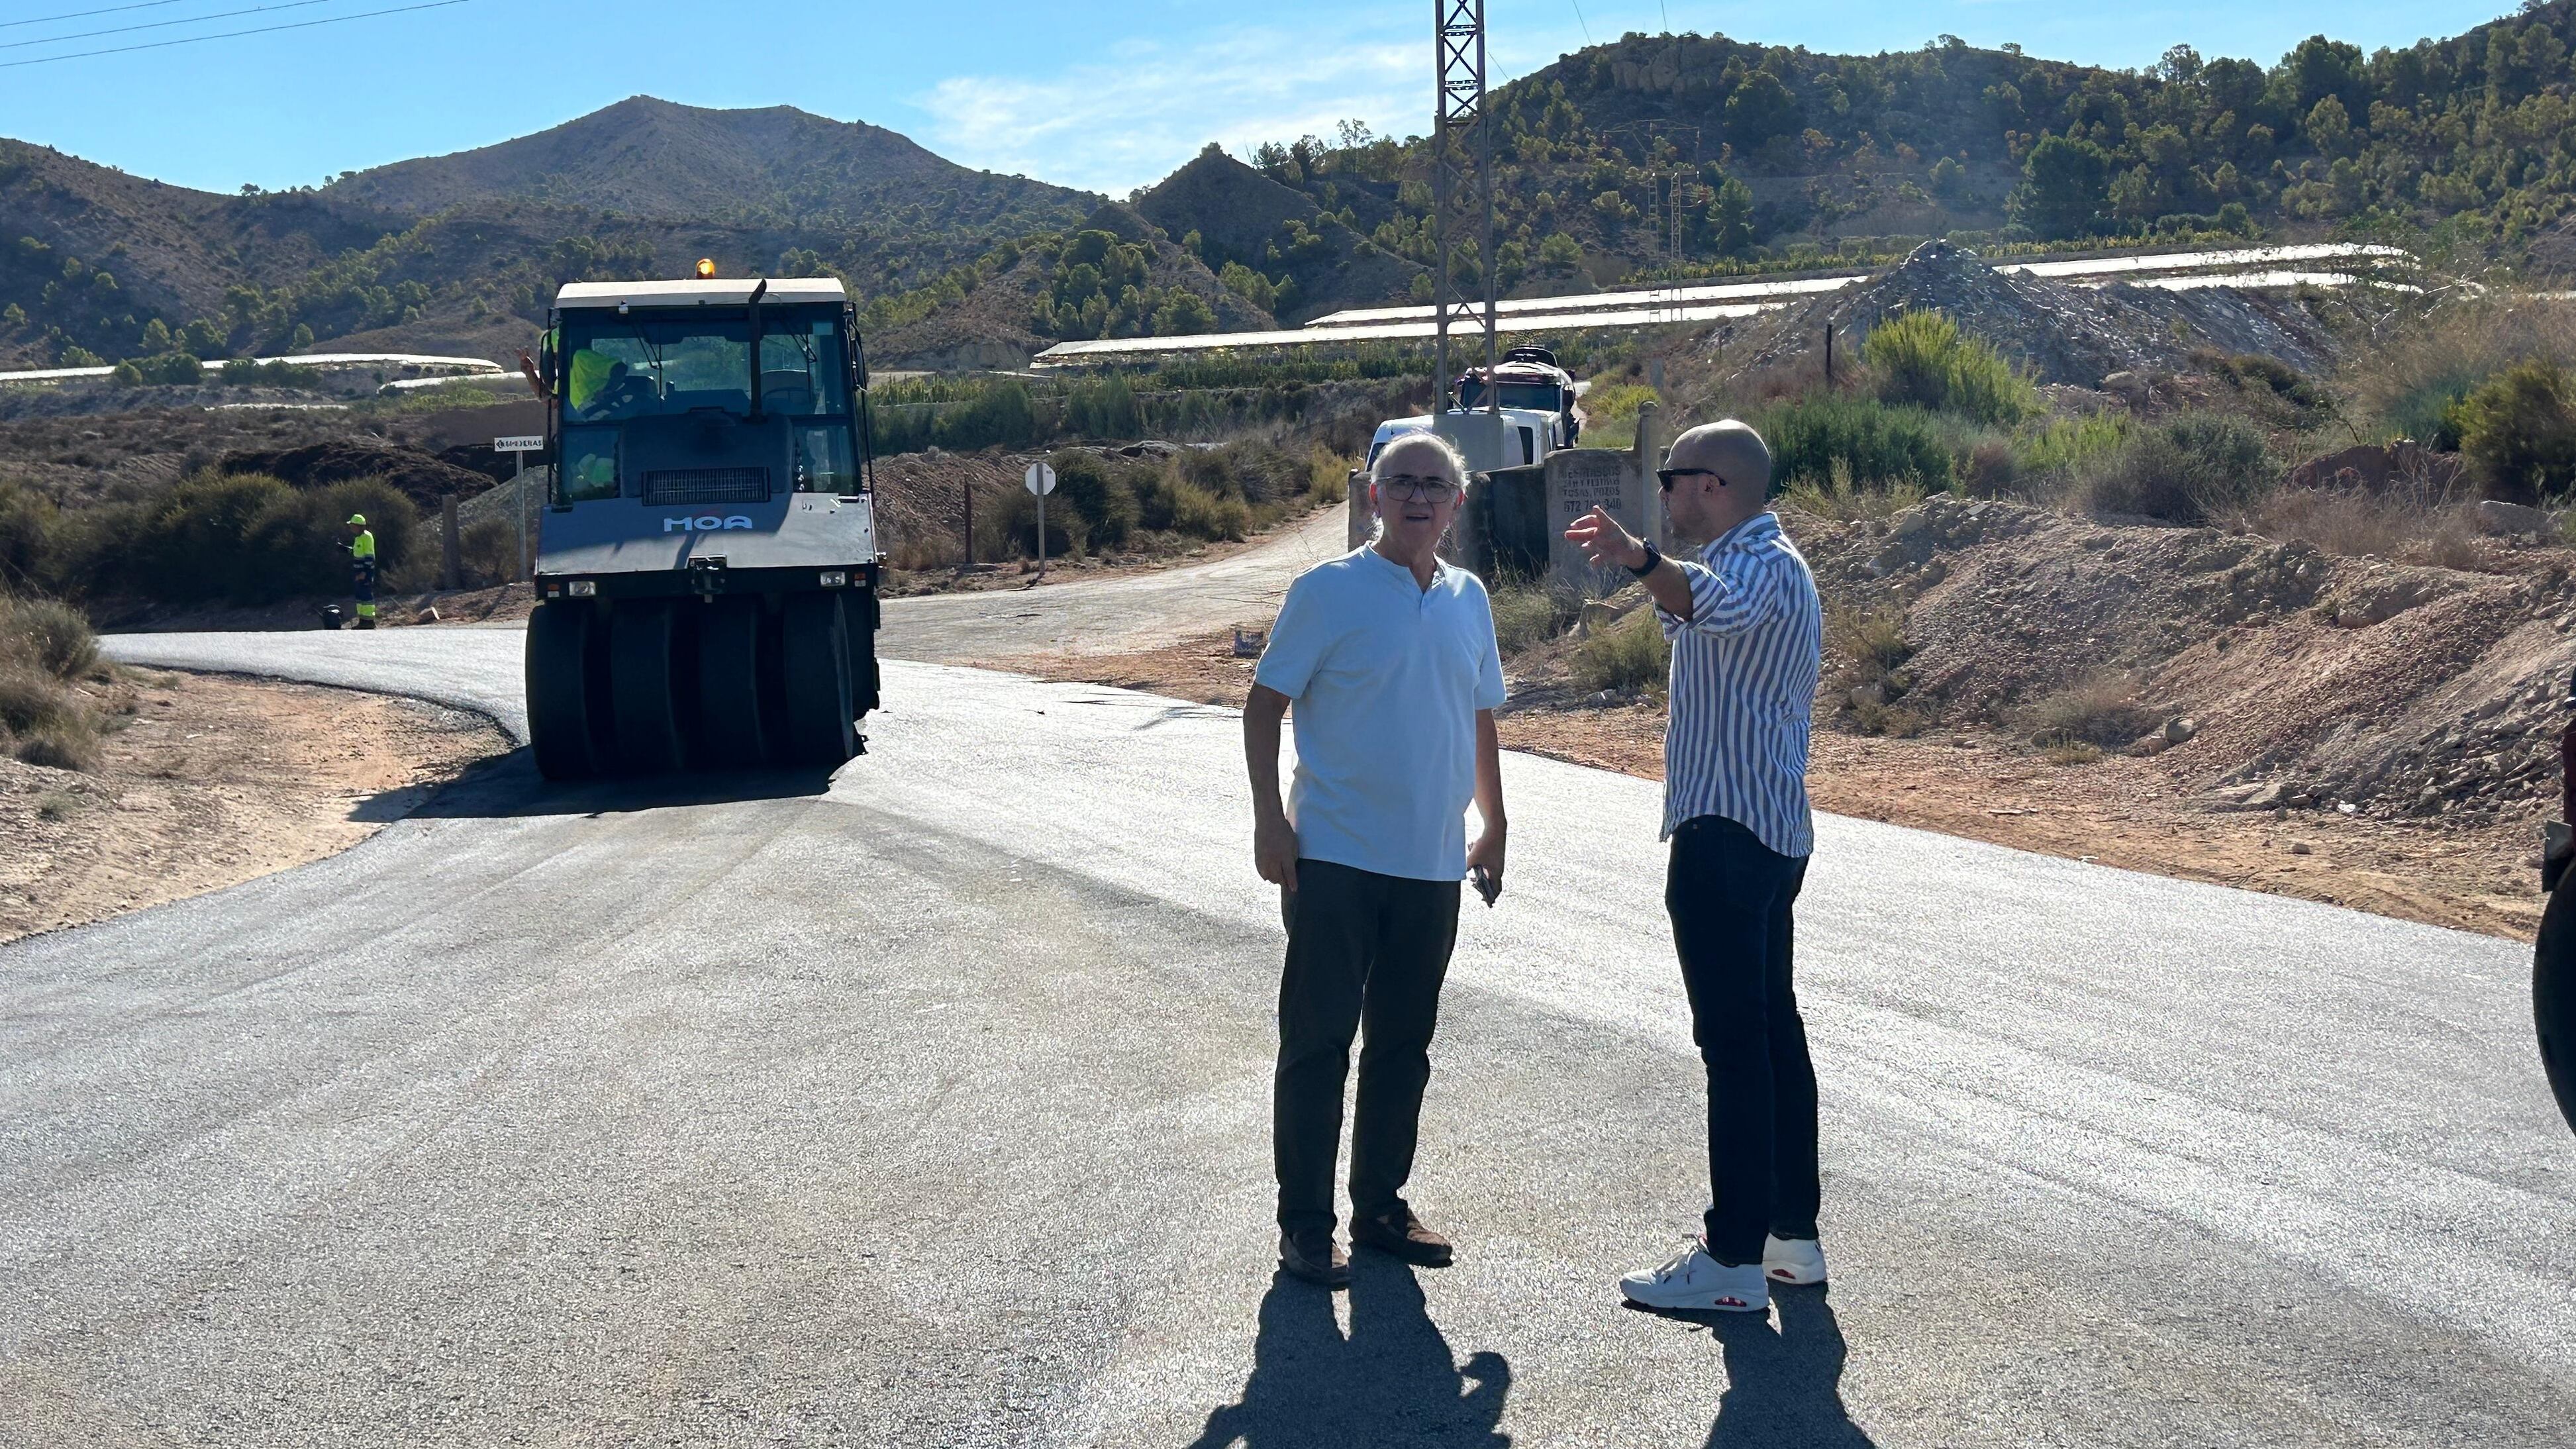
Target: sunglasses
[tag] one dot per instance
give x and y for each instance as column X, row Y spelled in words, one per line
column 1667, row 475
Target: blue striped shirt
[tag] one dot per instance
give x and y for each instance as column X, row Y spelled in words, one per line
column 1744, row 687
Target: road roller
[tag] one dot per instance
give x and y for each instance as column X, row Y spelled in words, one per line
column 707, row 565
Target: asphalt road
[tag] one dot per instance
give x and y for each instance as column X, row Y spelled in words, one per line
column 1135, row 611
column 928, row 1106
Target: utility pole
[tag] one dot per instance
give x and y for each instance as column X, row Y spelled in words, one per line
column 1461, row 202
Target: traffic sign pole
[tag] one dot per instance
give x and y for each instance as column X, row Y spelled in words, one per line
column 521, row 445
column 1040, row 480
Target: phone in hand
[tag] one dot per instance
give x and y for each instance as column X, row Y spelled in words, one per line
column 1485, row 884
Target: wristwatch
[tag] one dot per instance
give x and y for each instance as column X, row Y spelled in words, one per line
column 1654, row 556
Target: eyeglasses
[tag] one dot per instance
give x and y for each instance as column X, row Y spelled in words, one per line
column 1667, row 475
column 1408, row 488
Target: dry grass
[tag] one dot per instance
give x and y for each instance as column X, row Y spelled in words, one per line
column 1528, row 613
column 2101, row 712
column 2410, row 383
column 44, row 648
column 1630, row 654
column 1844, row 501
column 2404, row 524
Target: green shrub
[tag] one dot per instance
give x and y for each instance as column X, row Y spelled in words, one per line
column 1012, row 529
column 1101, row 491
column 488, row 551
column 186, row 545
column 2189, row 469
column 244, row 537
column 299, row 544
column 1877, row 443
column 1616, row 402
column 1630, row 654
column 1205, row 513
column 170, row 369
column 2065, row 444
column 1101, row 408
column 1923, row 359
column 28, row 522
column 2518, row 432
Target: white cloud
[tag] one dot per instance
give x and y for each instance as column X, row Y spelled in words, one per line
column 1128, row 121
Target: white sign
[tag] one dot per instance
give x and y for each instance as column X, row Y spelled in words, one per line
column 1040, row 479
column 531, row 443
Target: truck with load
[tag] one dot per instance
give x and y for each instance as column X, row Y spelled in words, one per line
column 707, row 563
column 1533, row 400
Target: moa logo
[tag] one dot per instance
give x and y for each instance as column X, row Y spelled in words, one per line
column 704, row 523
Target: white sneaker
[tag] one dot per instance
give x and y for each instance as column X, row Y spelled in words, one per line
column 1694, row 1280
column 1798, row 1261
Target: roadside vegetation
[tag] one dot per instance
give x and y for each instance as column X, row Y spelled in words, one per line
column 210, row 538
column 47, row 655
column 1164, row 500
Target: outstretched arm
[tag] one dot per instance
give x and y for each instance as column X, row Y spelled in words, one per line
column 1604, row 540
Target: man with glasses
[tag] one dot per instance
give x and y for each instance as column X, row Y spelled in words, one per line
column 1747, row 637
column 1388, row 655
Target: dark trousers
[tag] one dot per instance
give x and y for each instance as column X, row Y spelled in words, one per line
column 1731, row 897
column 1366, row 955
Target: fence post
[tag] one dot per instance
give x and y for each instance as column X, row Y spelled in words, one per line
column 449, row 554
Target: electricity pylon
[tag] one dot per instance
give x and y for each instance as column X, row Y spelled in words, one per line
column 1462, row 187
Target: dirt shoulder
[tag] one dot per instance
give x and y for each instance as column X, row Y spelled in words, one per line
column 212, row 781
column 2130, row 812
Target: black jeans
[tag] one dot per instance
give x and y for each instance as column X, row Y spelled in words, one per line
column 1370, row 949
column 1731, row 897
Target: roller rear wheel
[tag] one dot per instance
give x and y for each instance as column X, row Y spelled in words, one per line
column 2553, row 993
column 814, row 656
column 564, row 719
column 643, row 678
column 732, row 721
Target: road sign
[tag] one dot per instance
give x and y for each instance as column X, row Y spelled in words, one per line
column 1041, row 481
column 530, row 443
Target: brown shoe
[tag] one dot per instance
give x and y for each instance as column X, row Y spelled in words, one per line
column 1399, row 1234
column 1315, row 1257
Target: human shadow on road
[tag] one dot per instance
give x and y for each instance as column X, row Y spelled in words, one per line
column 1391, row 1380
column 1784, row 1385
column 510, row 787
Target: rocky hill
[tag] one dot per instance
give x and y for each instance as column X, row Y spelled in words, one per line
column 1315, row 261
column 456, row 253
column 777, row 167
column 1775, row 149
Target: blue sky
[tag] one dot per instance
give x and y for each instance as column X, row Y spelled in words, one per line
column 1106, row 97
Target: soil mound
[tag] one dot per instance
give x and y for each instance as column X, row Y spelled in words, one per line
column 2069, row 335
column 421, row 476
column 2311, row 681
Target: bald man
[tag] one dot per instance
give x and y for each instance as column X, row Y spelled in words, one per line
column 1388, row 655
column 1747, row 637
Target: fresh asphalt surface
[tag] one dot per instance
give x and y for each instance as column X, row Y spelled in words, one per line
column 928, row 1105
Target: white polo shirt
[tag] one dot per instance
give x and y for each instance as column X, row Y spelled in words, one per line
column 1386, row 677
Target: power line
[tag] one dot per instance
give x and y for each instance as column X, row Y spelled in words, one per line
column 228, row 34
column 85, row 14
column 1579, row 20
column 158, row 24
